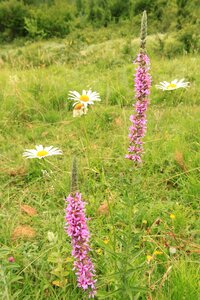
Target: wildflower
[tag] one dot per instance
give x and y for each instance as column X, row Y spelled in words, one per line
column 41, row 152
column 79, row 110
column 99, row 251
column 144, row 222
column 76, row 227
column 172, row 250
column 173, row 85
column 172, row 216
column 106, row 241
column 142, row 90
column 11, row 259
column 157, row 252
column 87, row 97
column 149, row 258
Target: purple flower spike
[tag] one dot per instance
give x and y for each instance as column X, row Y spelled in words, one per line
column 76, row 228
column 142, row 90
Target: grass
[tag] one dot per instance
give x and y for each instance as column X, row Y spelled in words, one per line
column 129, row 209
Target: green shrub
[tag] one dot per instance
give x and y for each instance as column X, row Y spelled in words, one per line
column 56, row 18
column 12, row 14
column 31, row 26
column 18, row 19
column 99, row 13
column 172, row 47
column 120, row 9
column 53, row 21
column 189, row 36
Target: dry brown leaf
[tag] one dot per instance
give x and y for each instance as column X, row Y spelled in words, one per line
column 165, row 276
column 16, row 172
column 103, row 209
column 29, row 125
column 180, row 160
column 60, row 283
column 94, row 146
column 45, row 133
column 23, row 232
column 118, row 121
column 29, row 210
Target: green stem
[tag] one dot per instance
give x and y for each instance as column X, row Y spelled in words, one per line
column 74, row 178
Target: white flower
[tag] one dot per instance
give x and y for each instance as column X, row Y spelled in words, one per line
column 172, row 250
column 79, row 110
column 173, row 85
column 87, row 97
column 41, row 152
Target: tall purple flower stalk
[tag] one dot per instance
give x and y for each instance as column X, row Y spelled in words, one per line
column 76, row 228
column 142, row 90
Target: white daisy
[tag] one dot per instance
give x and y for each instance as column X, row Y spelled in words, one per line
column 41, row 152
column 79, row 110
column 173, row 85
column 87, row 97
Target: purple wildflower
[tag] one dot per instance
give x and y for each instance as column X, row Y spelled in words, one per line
column 77, row 229
column 11, row 259
column 142, row 90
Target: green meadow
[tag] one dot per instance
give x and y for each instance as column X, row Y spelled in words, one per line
column 143, row 222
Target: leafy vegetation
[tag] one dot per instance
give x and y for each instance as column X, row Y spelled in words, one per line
column 44, row 19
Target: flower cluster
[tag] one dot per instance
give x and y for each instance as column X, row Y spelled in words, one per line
column 142, row 91
column 76, row 228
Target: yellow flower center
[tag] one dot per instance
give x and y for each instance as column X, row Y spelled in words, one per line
column 42, row 153
column 78, row 106
column 84, row 98
column 171, row 86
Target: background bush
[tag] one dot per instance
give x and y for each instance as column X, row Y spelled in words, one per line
column 12, row 16
column 35, row 19
column 52, row 21
column 172, row 47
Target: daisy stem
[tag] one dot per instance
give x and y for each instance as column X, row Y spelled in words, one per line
column 45, row 164
column 87, row 141
column 55, row 167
